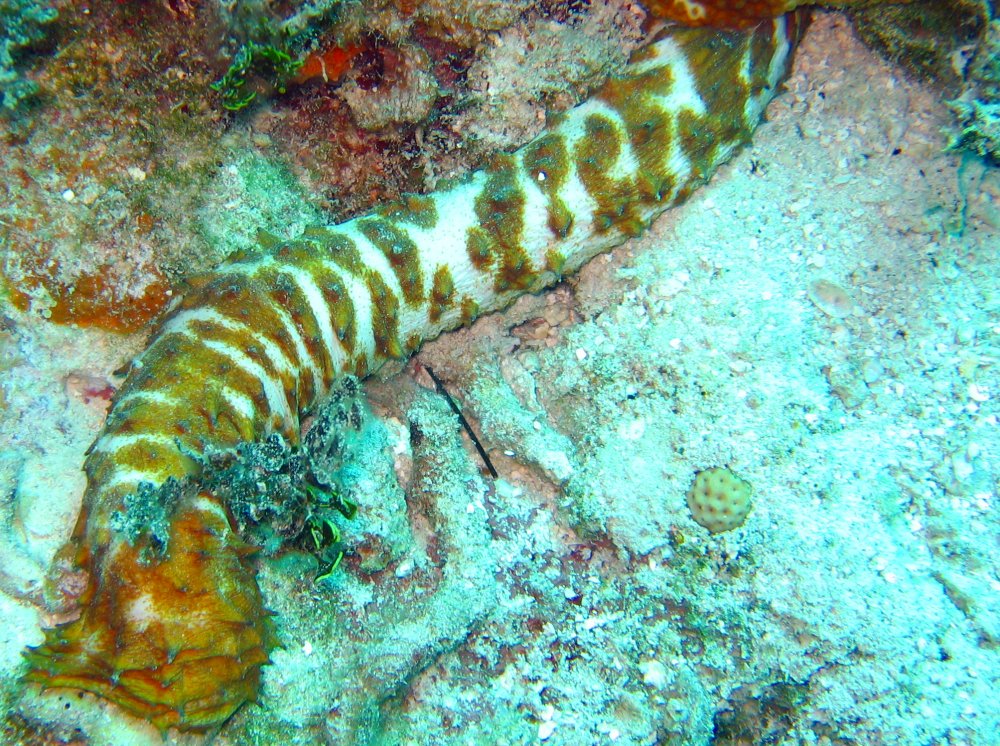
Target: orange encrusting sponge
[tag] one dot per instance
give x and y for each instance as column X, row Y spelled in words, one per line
column 95, row 299
column 178, row 641
column 330, row 64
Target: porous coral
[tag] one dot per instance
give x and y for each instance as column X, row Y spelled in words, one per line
column 719, row 500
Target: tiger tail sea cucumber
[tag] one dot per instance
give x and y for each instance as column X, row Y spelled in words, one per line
column 177, row 634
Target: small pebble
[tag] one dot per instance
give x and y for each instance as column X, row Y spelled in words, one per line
column 831, row 299
column 654, row 673
column 872, row 370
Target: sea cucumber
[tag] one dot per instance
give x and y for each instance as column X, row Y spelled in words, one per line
column 174, row 630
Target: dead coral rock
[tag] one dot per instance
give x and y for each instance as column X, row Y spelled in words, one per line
column 955, row 44
column 978, row 108
column 540, row 68
column 985, row 68
column 491, row 15
column 930, row 38
column 405, row 94
column 98, row 182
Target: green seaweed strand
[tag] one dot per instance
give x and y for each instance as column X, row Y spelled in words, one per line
column 254, row 60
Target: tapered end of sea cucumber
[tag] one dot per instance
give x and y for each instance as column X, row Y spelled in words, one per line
column 179, row 642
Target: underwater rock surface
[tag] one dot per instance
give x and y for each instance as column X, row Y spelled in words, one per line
column 822, row 318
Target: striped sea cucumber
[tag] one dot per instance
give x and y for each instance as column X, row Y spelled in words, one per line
column 179, row 635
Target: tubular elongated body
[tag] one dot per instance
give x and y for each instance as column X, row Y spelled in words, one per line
column 179, row 638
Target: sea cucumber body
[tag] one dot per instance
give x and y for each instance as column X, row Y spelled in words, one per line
column 181, row 639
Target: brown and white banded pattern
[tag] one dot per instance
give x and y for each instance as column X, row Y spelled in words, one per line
column 262, row 339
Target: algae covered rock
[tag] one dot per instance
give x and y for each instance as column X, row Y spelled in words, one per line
column 955, row 44
column 22, row 24
column 978, row 108
column 930, row 38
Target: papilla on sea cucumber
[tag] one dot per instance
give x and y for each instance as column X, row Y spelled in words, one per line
column 176, row 632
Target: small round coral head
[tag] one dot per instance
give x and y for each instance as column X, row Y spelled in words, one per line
column 719, row 499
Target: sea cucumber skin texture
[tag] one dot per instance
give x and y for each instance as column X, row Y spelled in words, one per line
column 181, row 640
